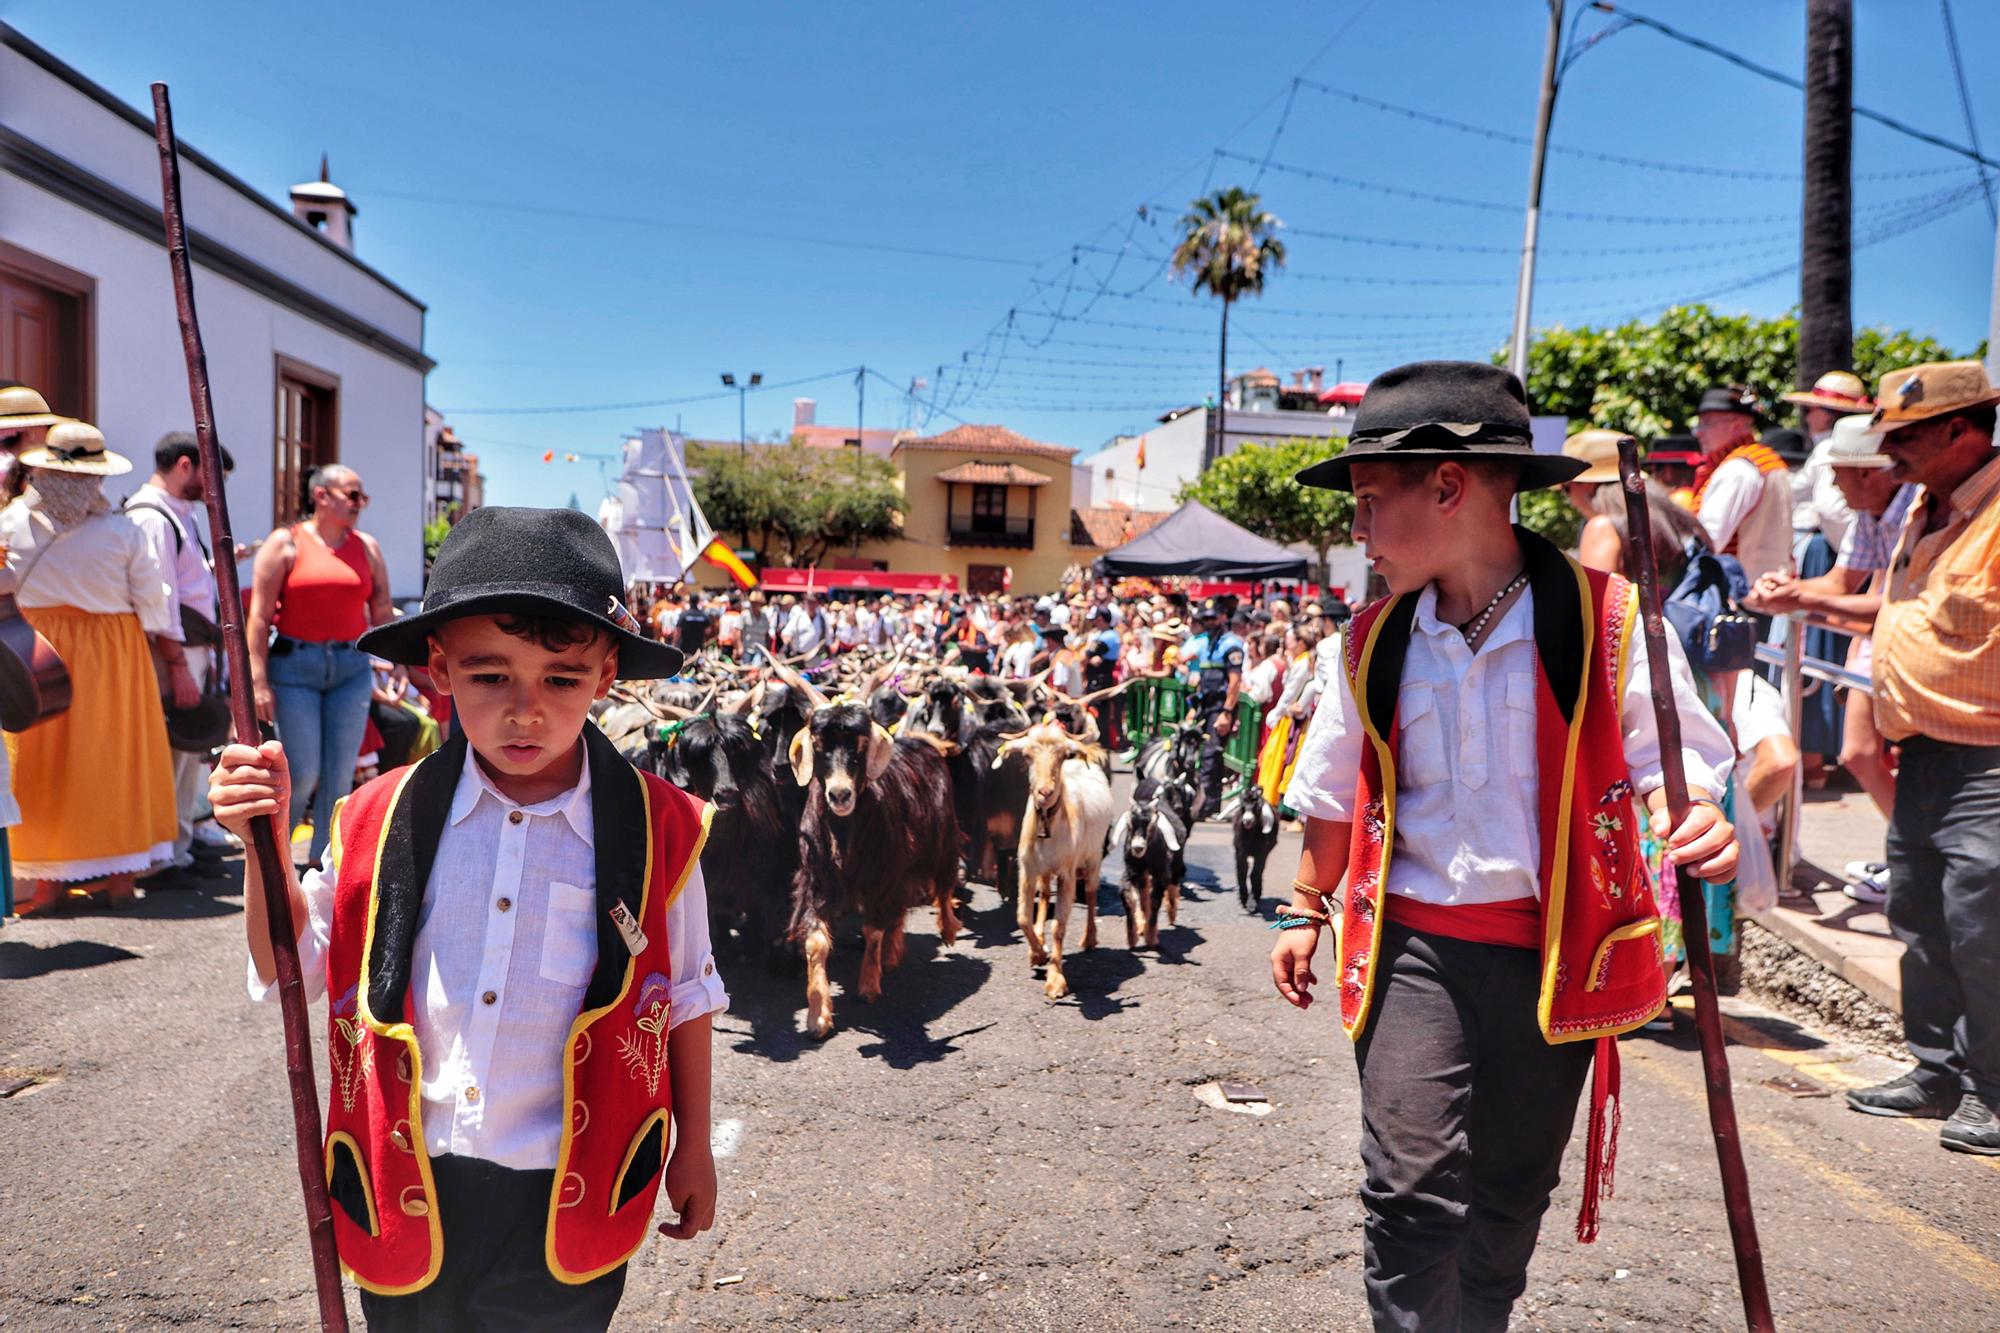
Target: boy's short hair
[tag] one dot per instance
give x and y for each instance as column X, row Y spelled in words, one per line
column 553, row 634
column 178, row 444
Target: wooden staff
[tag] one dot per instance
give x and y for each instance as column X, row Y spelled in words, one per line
column 1694, row 914
column 264, row 833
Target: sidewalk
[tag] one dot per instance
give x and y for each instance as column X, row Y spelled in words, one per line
column 1849, row 939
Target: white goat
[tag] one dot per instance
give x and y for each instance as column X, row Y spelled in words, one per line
column 1062, row 843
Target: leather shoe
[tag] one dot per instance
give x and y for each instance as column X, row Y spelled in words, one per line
column 1972, row 1128
column 1905, row 1096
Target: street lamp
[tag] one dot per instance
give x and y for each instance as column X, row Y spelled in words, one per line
column 729, row 382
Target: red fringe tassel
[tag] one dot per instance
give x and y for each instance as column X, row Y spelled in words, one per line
column 1600, row 1164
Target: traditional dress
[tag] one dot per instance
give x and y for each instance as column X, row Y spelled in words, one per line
column 1499, row 927
column 500, row 1091
column 96, row 783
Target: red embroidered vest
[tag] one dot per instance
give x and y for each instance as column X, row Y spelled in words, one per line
column 1601, row 968
column 617, row 1090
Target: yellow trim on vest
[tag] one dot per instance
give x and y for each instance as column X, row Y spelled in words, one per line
column 660, row 1116
column 1624, row 669
column 1386, row 761
column 361, row 1168
column 406, row 1034
column 1556, row 889
column 585, row 1019
column 1630, row 931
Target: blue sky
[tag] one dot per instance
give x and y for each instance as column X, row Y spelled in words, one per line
column 614, row 205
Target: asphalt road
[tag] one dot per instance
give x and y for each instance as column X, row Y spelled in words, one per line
column 962, row 1154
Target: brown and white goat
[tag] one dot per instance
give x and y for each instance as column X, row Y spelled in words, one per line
column 1062, row 843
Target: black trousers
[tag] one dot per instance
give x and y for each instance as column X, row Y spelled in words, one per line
column 495, row 1277
column 1944, row 905
column 1465, row 1113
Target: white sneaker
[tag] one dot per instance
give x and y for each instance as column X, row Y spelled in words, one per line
column 208, row 833
column 1867, row 882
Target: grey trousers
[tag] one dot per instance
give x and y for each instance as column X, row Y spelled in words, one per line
column 1944, row 905
column 1465, row 1113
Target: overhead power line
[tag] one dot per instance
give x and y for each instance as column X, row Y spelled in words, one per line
column 1790, row 81
column 571, row 409
column 1590, row 154
column 1965, row 102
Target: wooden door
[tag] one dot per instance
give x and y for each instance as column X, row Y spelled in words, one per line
column 43, row 334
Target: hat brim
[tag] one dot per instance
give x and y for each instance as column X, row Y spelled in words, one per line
column 406, row 641
column 1846, row 405
column 107, row 464
column 1537, row 469
column 1942, row 410
column 28, row 420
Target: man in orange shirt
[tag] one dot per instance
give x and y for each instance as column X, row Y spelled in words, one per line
column 1937, row 695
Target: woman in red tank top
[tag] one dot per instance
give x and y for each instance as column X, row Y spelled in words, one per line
column 318, row 586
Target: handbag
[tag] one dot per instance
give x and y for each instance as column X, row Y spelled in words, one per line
column 206, row 725
column 1705, row 609
column 34, row 682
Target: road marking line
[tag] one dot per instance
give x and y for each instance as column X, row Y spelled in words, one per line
column 1948, row 1250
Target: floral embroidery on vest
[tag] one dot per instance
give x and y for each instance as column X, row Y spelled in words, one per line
column 645, row 1051
column 348, row 1068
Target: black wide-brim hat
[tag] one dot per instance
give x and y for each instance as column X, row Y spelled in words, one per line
column 526, row 562
column 1441, row 411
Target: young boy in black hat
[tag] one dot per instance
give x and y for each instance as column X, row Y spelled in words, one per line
column 514, row 936
column 1471, row 771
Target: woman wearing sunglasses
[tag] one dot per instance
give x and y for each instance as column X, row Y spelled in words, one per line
column 318, row 585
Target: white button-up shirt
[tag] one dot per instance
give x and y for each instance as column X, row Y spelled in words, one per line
column 1467, row 827
column 177, row 544
column 505, row 946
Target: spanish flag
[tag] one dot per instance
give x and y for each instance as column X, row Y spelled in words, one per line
column 718, row 554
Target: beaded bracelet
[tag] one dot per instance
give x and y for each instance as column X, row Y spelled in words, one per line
column 1300, row 886
column 1294, row 923
column 1306, row 914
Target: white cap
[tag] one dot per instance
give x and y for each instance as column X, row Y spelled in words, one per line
column 1854, row 445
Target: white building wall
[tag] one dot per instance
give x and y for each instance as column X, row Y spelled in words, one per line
column 1174, row 450
column 140, row 379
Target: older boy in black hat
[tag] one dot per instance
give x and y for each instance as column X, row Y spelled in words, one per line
column 514, row 936
column 1471, row 772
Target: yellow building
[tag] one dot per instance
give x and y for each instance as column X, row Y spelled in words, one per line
column 982, row 501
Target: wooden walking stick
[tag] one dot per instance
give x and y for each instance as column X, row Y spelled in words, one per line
column 1694, row 914
column 264, row 834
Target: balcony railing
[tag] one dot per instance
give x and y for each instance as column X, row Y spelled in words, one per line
column 976, row 531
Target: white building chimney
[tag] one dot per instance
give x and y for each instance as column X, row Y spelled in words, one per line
column 325, row 208
column 802, row 412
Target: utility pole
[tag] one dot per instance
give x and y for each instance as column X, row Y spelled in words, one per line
column 1826, row 257
column 1524, row 293
column 860, row 416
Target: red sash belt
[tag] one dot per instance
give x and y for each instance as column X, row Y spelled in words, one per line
column 1516, row 923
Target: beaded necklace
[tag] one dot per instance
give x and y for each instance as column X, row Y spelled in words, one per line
column 1471, row 628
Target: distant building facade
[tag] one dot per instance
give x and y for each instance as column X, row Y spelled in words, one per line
column 807, row 430
column 1263, row 409
column 314, row 357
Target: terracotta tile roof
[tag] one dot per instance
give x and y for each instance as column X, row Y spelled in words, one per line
column 991, row 439
column 994, row 474
column 1105, row 526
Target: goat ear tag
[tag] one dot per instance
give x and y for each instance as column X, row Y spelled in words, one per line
column 628, row 928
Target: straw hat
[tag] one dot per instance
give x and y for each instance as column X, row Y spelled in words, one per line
column 21, row 407
column 1837, row 390
column 1597, row 448
column 1855, row 445
column 76, row 446
column 1933, row 389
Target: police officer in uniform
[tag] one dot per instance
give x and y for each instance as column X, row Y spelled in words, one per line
column 1215, row 671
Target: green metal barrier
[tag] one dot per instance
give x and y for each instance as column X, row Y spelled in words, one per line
column 1153, row 707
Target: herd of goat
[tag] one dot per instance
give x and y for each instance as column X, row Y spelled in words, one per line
column 899, row 788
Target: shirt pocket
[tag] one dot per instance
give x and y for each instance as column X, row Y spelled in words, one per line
column 1518, row 724
column 1965, row 611
column 1421, row 760
column 569, row 935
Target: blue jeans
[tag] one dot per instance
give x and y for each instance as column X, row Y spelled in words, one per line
column 321, row 694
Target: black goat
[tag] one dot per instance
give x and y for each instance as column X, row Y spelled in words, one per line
column 1175, row 791
column 1255, row 832
column 876, row 838
column 752, row 848
column 1154, row 843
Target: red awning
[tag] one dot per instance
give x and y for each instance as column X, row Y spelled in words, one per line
column 855, row 580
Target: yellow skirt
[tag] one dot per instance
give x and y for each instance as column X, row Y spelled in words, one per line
column 1274, row 766
column 95, row 784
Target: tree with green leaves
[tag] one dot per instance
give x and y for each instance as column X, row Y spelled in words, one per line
column 1253, row 488
column 797, row 501
column 1228, row 246
column 1646, row 377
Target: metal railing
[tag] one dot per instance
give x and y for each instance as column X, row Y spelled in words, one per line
column 1795, row 668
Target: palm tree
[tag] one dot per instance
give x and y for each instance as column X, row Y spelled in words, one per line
column 1229, row 245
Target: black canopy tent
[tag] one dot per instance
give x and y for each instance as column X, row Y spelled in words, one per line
column 1195, row 540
